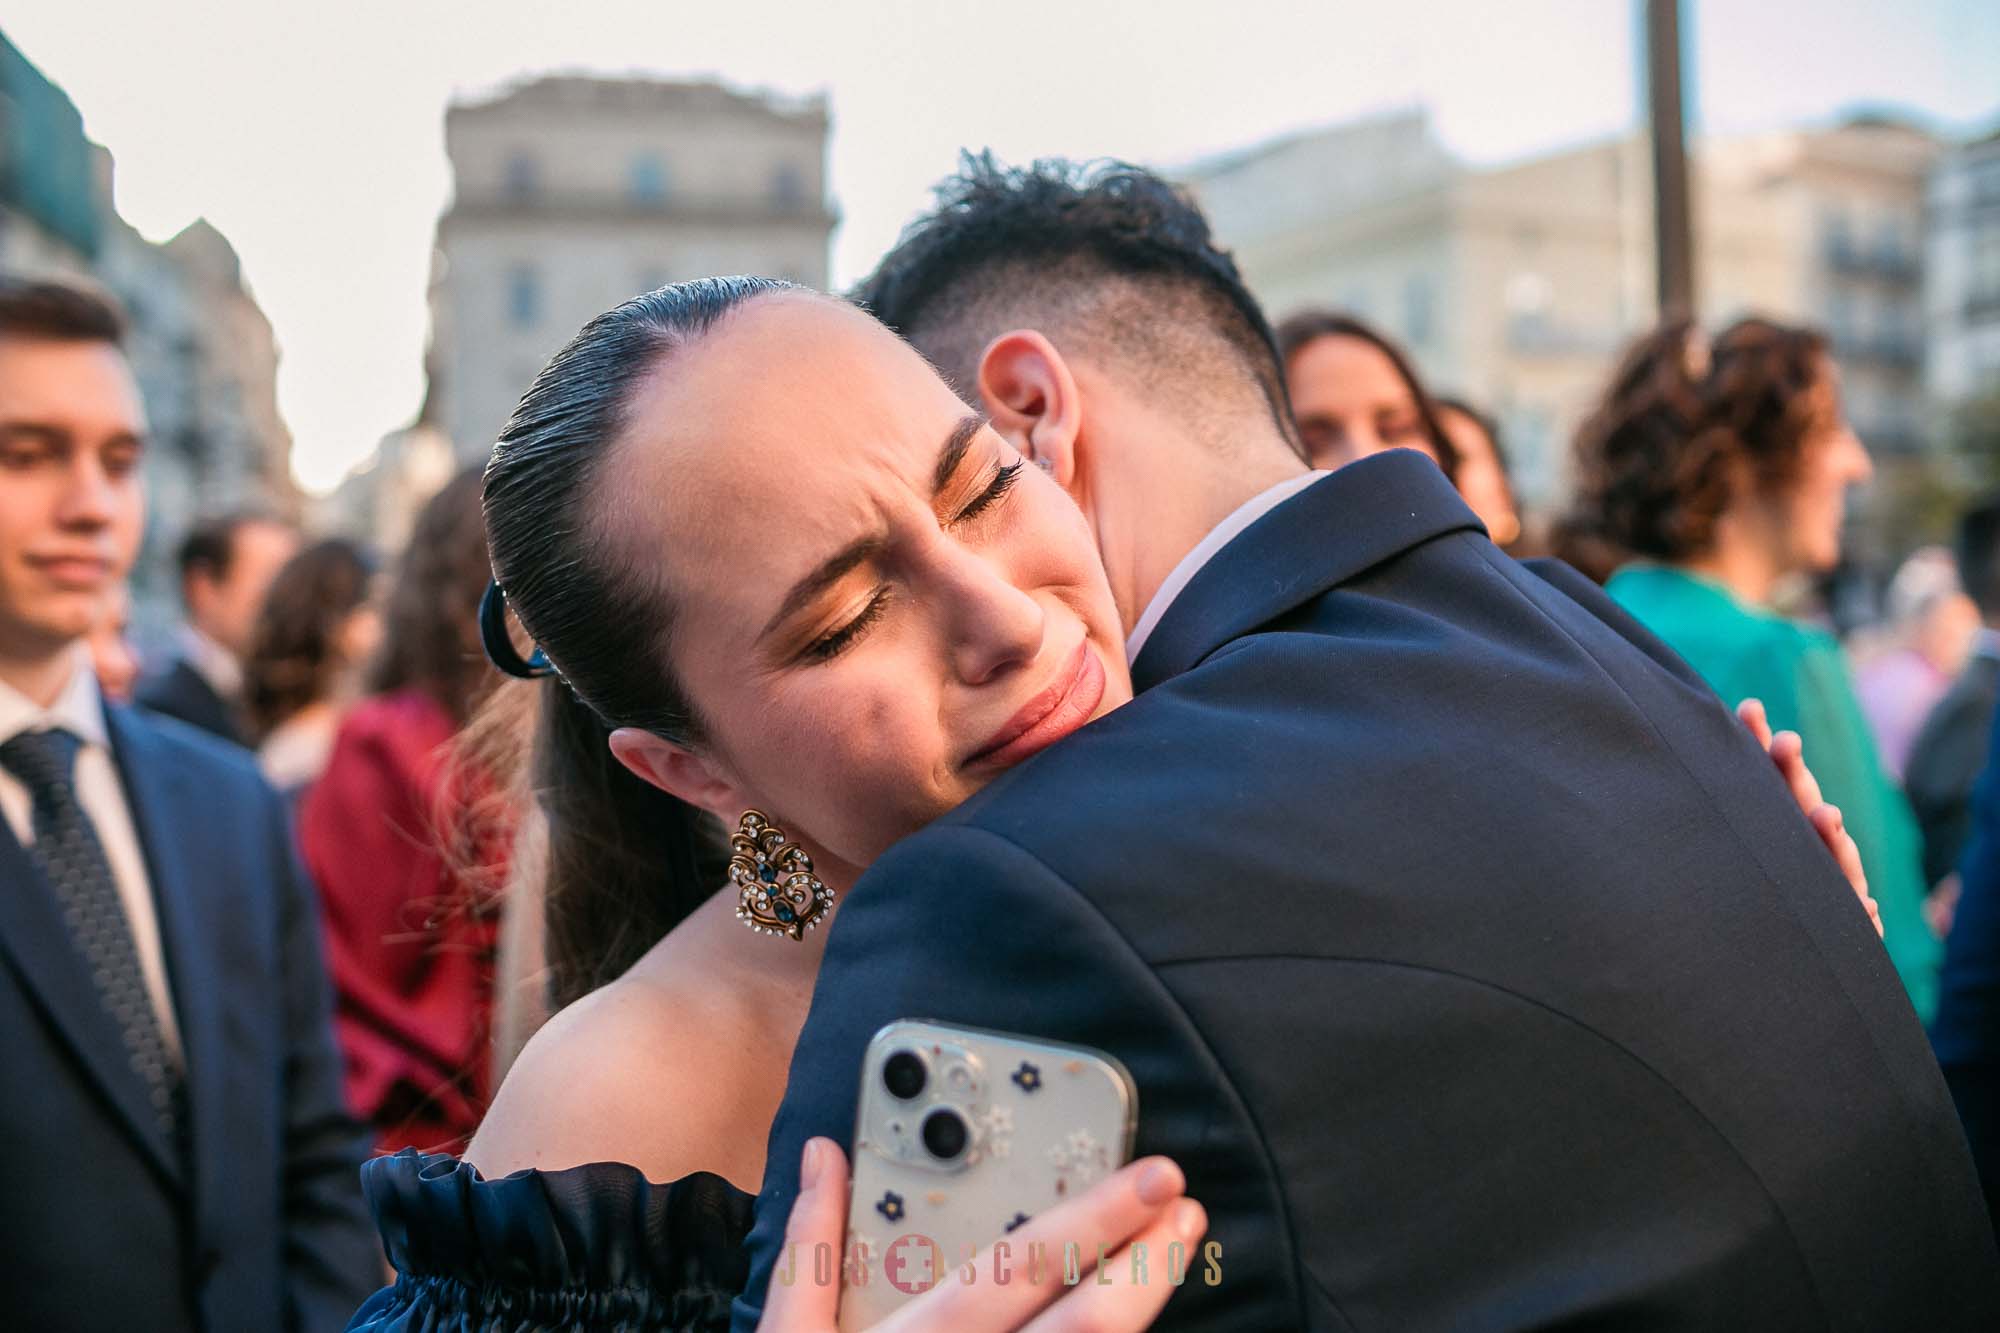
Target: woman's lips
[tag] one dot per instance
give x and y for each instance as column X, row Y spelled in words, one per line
column 1051, row 715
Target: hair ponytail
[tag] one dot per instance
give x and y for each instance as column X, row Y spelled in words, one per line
column 626, row 861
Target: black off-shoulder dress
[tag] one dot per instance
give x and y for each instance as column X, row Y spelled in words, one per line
column 591, row 1247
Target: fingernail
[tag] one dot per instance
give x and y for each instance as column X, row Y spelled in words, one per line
column 1188, row 1218
column 811, row 1162
column 1159, row 1182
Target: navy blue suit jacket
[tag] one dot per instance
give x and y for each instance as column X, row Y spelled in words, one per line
column 1468, row 955
column 102, row 1226
column 181, row 691
column 1966, row 1031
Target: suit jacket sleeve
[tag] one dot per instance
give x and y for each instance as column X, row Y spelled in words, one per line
column 331, row 1258
column 962, row 926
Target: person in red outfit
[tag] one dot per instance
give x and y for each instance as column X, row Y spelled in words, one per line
column 407, row 846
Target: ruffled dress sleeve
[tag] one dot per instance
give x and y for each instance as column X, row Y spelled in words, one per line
column 591, row 1247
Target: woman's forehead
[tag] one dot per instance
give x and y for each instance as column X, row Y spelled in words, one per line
column 1338, row 366
column 785, row 429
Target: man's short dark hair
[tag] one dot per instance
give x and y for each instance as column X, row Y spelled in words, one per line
column 210, row 545
column 1978, row 551
column 63, row 311
column 1105, row 257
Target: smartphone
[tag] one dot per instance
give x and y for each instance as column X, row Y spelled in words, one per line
column 962, row 1135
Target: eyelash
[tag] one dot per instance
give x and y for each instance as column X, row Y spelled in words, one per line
column 830, row 646
column 992, row 495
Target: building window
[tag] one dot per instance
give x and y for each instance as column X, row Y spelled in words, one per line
column 648, row 179
column 1417, row 309
column 788, row 187
column 523, row 180
column 524, row 296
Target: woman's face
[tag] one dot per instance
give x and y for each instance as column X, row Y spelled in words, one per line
column 1479, row 478
column 876, row 606
column 1351, row 403
column 1834, row 460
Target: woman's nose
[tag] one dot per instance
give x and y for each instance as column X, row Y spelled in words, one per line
column 994, row 626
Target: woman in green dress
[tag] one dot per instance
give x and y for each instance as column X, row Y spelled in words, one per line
column 1708, row 476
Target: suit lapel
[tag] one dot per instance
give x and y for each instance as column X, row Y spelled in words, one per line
column 1334, row 529
column 35, row 936
column 171, row 825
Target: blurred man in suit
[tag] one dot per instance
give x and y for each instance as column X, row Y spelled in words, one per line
column 1950, row 749
column 177, row 1156
column 226, row 566
column 1467, row 954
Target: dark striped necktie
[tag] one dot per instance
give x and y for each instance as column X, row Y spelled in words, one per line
column 72, row 859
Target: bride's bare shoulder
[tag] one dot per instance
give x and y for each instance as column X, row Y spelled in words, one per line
column 637, row 1072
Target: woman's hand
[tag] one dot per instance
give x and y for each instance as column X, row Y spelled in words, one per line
column 1144, row 1204
column 1787, row 751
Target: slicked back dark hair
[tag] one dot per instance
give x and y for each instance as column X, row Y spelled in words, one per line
column 1106, row 257
column 626, row 861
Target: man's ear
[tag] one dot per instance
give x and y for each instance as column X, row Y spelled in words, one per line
column 679, row 772
column 1031, row 398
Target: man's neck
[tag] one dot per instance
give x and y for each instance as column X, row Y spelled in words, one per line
column 38, row 675
column 1167, row 500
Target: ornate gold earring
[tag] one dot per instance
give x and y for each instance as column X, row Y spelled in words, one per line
column 776, row 890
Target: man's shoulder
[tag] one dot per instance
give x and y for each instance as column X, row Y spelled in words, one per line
column 200, row 758
column 176, row 679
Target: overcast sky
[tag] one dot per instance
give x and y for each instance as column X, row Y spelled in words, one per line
column 313, row 136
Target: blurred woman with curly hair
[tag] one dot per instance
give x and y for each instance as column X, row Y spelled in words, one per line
column 408, row 844
column 1707, row 476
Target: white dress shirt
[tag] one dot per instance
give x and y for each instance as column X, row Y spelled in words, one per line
column 1219, row 536
column 80, row 711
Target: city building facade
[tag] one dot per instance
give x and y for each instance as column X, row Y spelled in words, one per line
column 202, row 350
column 571, row 194
column 1517, row 285
column 1962, row 274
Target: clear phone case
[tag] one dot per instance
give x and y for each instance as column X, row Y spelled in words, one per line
column 961, row 1136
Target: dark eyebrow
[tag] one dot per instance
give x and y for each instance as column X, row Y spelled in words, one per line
column 838, row 565
column 955, row 445
column 830, row 571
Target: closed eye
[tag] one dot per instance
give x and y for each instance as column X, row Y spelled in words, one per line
column 1003, row 481
column 830, row 645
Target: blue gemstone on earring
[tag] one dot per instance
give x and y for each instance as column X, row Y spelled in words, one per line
column 769, row 874
column 784, row 914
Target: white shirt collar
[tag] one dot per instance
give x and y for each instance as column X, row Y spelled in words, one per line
column 212, row 662
column 79, row 709
column 1218, row 537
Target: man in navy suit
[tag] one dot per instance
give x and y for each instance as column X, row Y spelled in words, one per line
column 176, row 1153
column 227, row 565
column 1467, row 953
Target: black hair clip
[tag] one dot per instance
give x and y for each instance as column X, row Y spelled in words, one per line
column 500, row 650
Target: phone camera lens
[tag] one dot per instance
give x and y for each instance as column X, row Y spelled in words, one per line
column 945, row 1134
column 904, row 1075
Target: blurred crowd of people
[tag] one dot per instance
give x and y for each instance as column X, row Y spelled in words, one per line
column 1709, row 489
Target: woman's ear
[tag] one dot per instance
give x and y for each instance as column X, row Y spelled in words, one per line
column 1032, row 400
column 679, row 772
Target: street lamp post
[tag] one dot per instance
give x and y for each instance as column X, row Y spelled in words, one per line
column 1673, row 240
